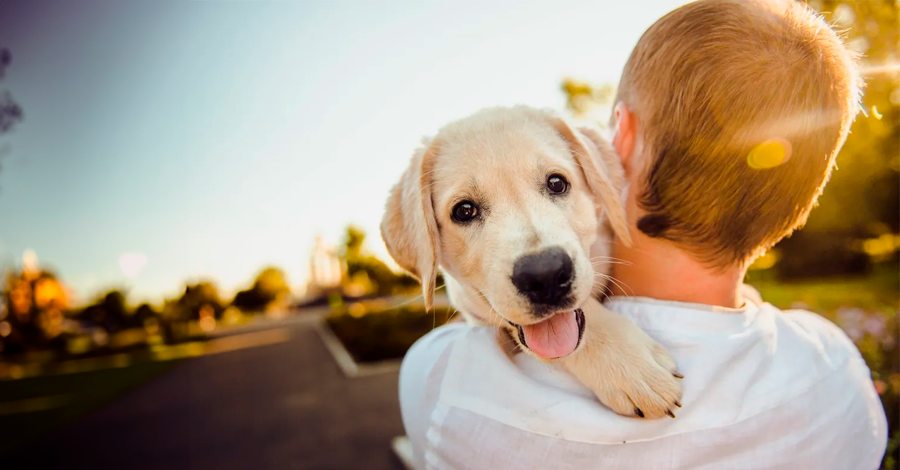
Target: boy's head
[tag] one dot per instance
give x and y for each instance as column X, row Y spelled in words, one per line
column 729, row 116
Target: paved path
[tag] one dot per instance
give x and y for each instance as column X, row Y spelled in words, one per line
column 282, row 406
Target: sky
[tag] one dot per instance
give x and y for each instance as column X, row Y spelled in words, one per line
column 172, row 141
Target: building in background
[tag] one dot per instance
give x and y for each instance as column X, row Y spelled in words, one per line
column 326, row 270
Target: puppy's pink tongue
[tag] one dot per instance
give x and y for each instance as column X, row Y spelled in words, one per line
column 553, row 337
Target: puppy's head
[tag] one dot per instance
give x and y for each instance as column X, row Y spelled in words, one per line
column 509, row 202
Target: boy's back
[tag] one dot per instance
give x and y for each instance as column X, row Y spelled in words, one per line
column 764, row 389
column 707, row 90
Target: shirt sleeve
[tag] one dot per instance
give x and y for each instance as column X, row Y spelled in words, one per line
column 421, row 375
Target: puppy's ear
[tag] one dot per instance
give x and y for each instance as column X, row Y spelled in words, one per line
column 602, row 171
column 409, row 228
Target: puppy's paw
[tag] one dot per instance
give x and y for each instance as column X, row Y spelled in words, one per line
column 627, row 370
column 644, row 382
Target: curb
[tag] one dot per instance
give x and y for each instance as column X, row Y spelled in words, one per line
column 402, row 448
column 345, row 361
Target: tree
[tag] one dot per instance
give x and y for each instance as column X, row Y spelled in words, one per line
column 10, row 111
column 862, row 200
column 587, row 101
column 353, row 242
column 271, row 283
column 35, row 303
column 367, row 274
column 196, row 298
column 864, row 192
column 269, row 288
column 146, row 312
column 10, row 114
column 109, row 312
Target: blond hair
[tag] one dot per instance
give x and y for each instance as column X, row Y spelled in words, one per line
column 716, row 80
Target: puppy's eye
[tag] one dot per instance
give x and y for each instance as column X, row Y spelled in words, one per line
column 557, row 184
column 464, row 211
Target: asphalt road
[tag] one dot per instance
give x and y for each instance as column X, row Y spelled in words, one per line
column 278, row 406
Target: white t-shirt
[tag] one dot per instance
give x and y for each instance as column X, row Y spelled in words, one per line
column 763, row 389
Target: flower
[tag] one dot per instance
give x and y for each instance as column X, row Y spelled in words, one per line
column 850, row 316
column 854, row 332
column 874, row 325
column 851, row 320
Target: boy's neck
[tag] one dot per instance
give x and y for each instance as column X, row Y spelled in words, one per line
column 658, row 269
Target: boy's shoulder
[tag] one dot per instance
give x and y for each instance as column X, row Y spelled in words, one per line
column 810, row 345
column 806, row 329
column 811, row 330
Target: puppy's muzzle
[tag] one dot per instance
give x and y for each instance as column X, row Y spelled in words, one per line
column 579, row 322
column 545, row 279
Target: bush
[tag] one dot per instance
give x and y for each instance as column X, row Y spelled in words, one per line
column 817, row 255
column 372, row 334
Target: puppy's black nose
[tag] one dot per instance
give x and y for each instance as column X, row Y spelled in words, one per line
column 545, row 278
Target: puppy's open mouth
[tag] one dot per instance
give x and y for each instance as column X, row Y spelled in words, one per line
column 554, row 337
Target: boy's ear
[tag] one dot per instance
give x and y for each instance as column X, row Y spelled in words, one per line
column 409, row 228
column 625, row 137
column 601, row 170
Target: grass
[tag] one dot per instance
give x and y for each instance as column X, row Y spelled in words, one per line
column 35, row 406
column 877, row 292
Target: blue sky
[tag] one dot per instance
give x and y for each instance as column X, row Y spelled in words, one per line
column 215, row 137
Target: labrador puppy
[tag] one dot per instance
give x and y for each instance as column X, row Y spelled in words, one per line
column 515, row 206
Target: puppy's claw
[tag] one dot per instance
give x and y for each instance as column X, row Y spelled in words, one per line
column 678, row 403
column 677, row 374
column 671, row 415
column 637, row 377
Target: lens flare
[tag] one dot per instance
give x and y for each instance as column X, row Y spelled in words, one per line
column 889, row 68
column 769, row 154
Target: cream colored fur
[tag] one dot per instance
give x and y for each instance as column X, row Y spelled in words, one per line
column 501, row 157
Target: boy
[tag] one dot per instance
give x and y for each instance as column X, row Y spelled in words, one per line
column 728, row 119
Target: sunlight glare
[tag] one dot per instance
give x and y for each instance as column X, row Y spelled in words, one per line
column 888, row 68
column 769, row 154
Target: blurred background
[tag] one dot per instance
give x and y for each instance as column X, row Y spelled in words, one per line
column 190, row 194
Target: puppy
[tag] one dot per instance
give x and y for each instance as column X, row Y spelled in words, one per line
column 515, row 206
